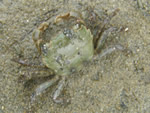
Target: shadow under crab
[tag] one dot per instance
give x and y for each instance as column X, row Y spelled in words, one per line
column 66, row 41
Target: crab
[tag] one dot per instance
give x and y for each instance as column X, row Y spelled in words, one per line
column 68, row 40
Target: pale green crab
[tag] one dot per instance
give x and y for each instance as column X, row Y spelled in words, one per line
column 67, row 41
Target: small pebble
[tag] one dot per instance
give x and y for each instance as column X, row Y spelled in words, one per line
column 126, row 29
column 2, row 107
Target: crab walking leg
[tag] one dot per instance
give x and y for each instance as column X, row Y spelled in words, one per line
column 25, row 63
column 104, row 37
column 103, row 28
column 110, row 50
column 108, row 19
column 59, row 90
column 43, row 87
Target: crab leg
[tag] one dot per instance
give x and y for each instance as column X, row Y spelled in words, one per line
column 108, row 19
column 43, row 87
column 25, row 63
column 103, row 38
column 103, row 28
column 110, row 50
column 58, row 92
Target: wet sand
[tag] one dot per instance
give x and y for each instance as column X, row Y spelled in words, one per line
column 117, row 83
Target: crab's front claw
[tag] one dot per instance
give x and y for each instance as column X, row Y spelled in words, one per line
column 61, row 17
column 36, row 36
column 66, row 16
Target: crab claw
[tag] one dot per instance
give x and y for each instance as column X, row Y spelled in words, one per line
column 60, row 17
column 36, row 36
column 68, row 15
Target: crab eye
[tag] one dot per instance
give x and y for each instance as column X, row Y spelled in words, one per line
column 44, row 49
column 68, row 33
column 77, row 26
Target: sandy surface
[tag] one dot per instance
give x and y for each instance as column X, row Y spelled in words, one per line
column 117, row 83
